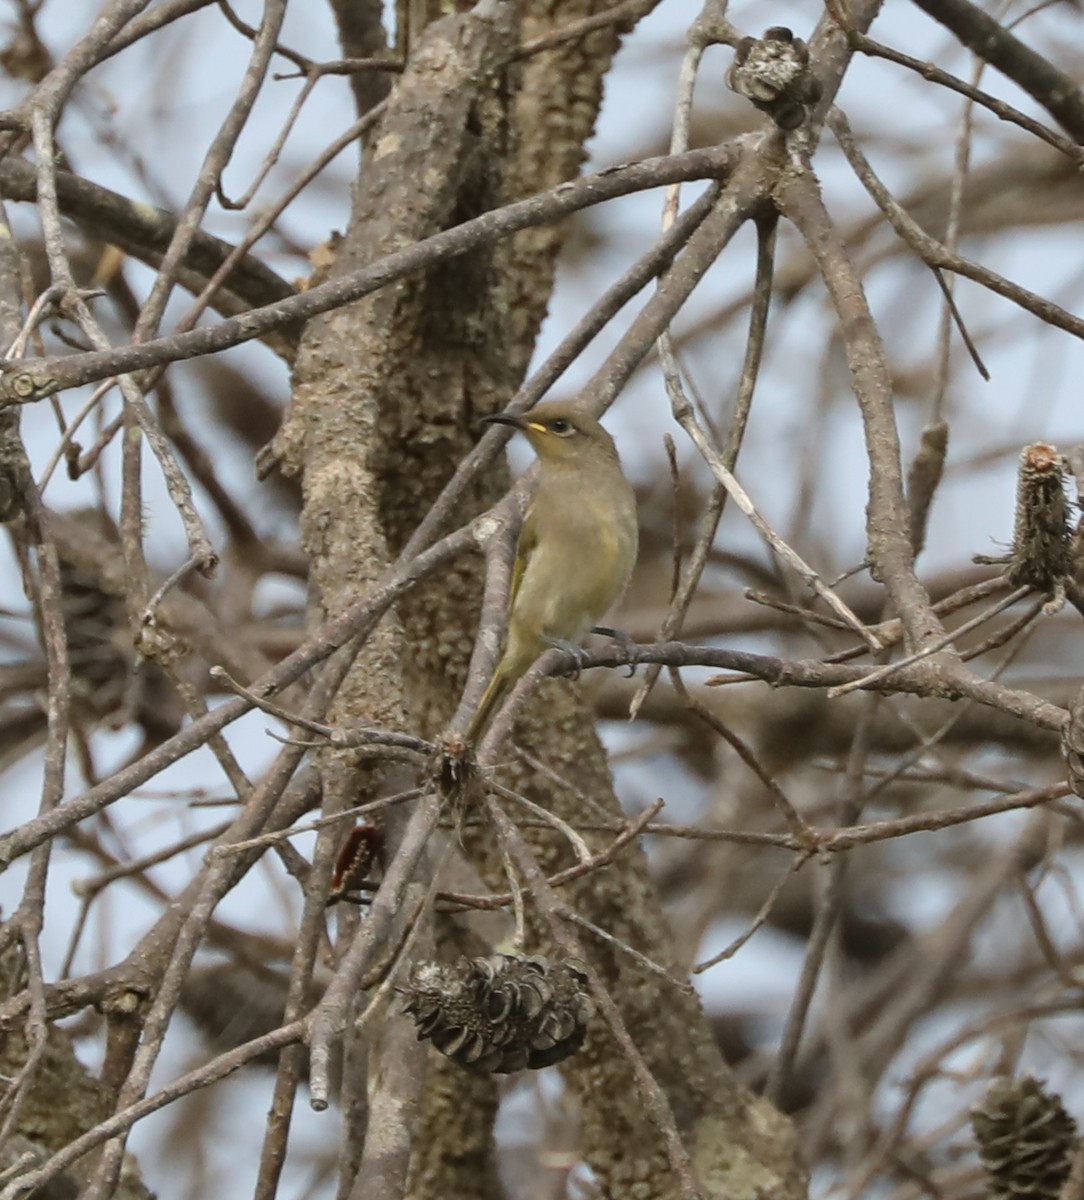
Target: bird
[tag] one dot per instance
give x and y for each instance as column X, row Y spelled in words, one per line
column 576, row 549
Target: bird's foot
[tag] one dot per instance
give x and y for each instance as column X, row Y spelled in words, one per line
column 624, row 641
column 576, row 653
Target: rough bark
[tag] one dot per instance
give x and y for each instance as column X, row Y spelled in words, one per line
column 386, row 399
column 361, row 35
column 555, row 113
column 62, row 1102
column 386, row 396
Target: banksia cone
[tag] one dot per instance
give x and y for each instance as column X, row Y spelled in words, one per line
column 773, row 73
column 1042, row 553
column 1026, row 1139
column 502, row 1013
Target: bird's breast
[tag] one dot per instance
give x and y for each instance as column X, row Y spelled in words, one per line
column 578, row 570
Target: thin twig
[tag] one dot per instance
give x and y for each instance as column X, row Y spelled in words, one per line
column 762, row 915
column 1001, row 110
column 933, row 253
column 945, row 640
column 653, row 1095
column 685, row 417
column 192, row 1081
column 34, row 379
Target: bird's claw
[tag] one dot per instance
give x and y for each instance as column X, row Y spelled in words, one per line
column 578, row 655
column 625, row 642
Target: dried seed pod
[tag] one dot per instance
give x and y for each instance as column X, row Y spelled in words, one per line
column 501, row 1013
column 362, row 851
column 773, row 73
column 1042, row 555
column 1072, row 744
column 1026, row 1139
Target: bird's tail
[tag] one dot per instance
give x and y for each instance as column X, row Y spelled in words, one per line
column 499, row 687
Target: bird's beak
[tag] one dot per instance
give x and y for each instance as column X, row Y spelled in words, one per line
column 505, row 419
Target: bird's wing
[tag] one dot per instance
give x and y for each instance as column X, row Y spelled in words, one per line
column 528, row 539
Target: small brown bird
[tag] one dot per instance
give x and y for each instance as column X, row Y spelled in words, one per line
column 577, row 547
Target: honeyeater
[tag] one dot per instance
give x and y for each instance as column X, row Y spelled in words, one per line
column 576, row 549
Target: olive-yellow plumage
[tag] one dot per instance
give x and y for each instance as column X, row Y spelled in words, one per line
column 576, row 549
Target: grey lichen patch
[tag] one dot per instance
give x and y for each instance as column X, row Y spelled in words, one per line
column 641, row 1176
column 19, row 387
column 729, row 1162
column 389, row 144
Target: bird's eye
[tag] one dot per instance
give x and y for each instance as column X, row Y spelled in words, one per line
column 561, row 426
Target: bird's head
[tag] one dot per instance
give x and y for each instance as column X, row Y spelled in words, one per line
column 561, row 433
